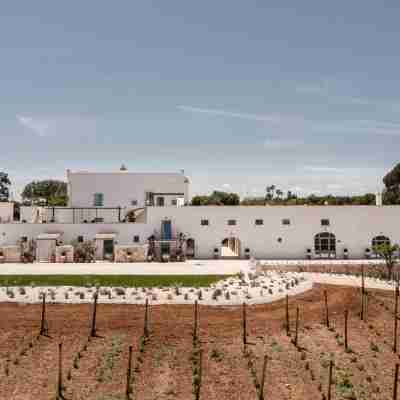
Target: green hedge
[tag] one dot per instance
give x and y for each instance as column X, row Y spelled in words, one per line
column 110, row 280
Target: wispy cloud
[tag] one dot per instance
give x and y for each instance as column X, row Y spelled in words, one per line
column 229, row 114
column 326, row 169
column 39, row 127
column 299, row 123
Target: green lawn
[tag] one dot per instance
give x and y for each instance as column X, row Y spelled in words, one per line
column 110, row 280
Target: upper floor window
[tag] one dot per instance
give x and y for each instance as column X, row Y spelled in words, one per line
column 136, row 239
column 160, row 201
column 259, row 221
column 325, row 222
column 231, row 221
column 286, row 221
column 98, row 199
column 134, row 203
column 174, row 202
column 204, row 222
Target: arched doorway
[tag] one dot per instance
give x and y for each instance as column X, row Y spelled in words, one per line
column 190, row 248
column 230, row 248
column 325, row 244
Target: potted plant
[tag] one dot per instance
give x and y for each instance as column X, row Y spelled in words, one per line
column 247, row 253
column 27, row 257
column 63, row 256
column 367, row 253
column 308, row 255
column 2, row 256
column 216, row 251
column 345, row 254
column 129, row 256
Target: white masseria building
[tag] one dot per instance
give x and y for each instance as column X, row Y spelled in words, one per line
column 147, row 214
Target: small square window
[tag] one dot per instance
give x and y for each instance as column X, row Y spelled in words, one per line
column 80, row 239
column 231, row 222
column 136, row 239
column 286, row 221
column 98, row 199
column 24, row 239
column 259, row 222
column 325, row 222
column 174, row 202
column 204, row 222
column 134, row 202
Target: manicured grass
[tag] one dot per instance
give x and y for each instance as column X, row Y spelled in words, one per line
column 110, row 280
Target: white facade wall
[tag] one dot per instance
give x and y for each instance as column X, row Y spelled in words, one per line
column 6, row 212
column 122, row 187
column 11, row 233
column 353, row 226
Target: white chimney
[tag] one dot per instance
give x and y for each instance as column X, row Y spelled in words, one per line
column 378, row 199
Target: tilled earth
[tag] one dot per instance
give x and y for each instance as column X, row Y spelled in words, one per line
column 163, row 364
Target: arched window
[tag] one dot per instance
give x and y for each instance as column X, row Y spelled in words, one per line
column 379, row 240
column 325, row 242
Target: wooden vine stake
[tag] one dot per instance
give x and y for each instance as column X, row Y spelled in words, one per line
column 362, row 293
column 326, row 309
column 128, row 390
column 264, row 369
column 43, row 324
column 296, row 336
column 346, row 318
column 396, row 379
column 200, row 374
column 59, row 380
column 146, row 320
column 93, row 328
column 330, row 380
column 244, row 323
column 195, row 325
column 396, row 309
column 287, row 316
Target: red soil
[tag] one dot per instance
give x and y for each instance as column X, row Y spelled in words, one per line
column 162, row 367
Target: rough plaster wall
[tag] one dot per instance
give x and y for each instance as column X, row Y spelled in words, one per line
column 138, row 253
column 6, row 212
column 11, row 253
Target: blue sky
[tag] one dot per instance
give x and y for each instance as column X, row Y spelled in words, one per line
column 241, row 94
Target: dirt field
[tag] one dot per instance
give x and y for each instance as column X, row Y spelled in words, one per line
column 163, row 365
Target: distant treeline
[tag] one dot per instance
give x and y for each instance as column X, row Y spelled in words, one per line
column 276, row 197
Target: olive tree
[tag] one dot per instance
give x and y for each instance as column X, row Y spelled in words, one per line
column 390, row 253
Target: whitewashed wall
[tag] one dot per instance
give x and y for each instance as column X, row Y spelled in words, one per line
column 354, row 227
column 11, row 233
column 120, row 188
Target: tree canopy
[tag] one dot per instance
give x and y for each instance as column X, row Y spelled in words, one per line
column 217, row 198
column 4, row 186
column 52, row 192
column 391, row 180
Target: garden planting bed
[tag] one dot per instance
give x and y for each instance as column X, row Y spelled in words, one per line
column 164, row 363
